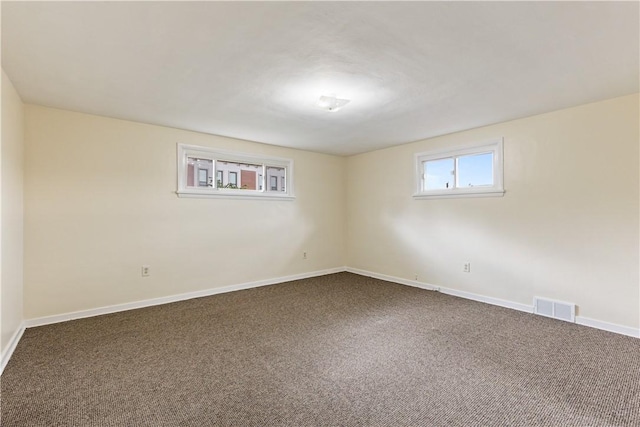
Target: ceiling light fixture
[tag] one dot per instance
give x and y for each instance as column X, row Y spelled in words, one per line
column 331, row 103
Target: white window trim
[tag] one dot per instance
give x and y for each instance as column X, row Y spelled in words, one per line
column 494, row 146
column 185, row 150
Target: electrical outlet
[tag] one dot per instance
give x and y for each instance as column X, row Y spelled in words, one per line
column 304, row 255
column 467, row 267
column 146, row 270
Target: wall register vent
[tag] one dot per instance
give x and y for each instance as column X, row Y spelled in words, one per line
column 555, row 309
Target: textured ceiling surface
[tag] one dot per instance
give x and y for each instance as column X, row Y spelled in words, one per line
column 256, row 70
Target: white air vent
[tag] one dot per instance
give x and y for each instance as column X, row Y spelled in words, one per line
column 556, row 309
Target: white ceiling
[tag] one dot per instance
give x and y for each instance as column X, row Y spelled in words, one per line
column 255, row 70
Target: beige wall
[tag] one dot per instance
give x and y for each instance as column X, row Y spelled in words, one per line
column 11, row 313
column 566, row 229
column 100, row 202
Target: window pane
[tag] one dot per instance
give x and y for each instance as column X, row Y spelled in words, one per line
column 199, row 172
column 233, row 179
column 203, row 177
column 239, row 175
column 205, row 172
column 475, row 170
column 438, row 174
column 276, row 177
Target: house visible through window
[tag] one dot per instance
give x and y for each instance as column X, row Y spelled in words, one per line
column 471, row 171
column 203, row 177
column 236, row 174
column 198, row 172
column 233, row 179
column 276, row 176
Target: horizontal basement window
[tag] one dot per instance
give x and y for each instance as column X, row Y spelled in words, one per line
column 471, row 171
column 206, row 172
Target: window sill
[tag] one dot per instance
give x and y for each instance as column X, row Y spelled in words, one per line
column 215, row 194
column 459, row 194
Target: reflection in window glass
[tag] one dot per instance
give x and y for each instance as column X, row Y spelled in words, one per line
column 233, row 179
column 475, row 170
column 438, row 174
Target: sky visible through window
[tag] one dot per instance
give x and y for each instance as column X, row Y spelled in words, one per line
column 439, row 174
column 473, row 171
column 476, row 170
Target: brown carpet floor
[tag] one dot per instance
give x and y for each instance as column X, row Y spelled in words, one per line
column 337, row 350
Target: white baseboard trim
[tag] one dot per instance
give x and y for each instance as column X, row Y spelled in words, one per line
column 597, row 324
column 488, row 300
column 448, row 291
column 393, row 279
column 41, row 321
column 606, row 326
column 13, row 343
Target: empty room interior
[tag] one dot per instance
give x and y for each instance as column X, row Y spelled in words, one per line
column 320, row 213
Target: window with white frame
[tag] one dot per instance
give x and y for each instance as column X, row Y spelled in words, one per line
column 236, row 174
column 470, row 171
